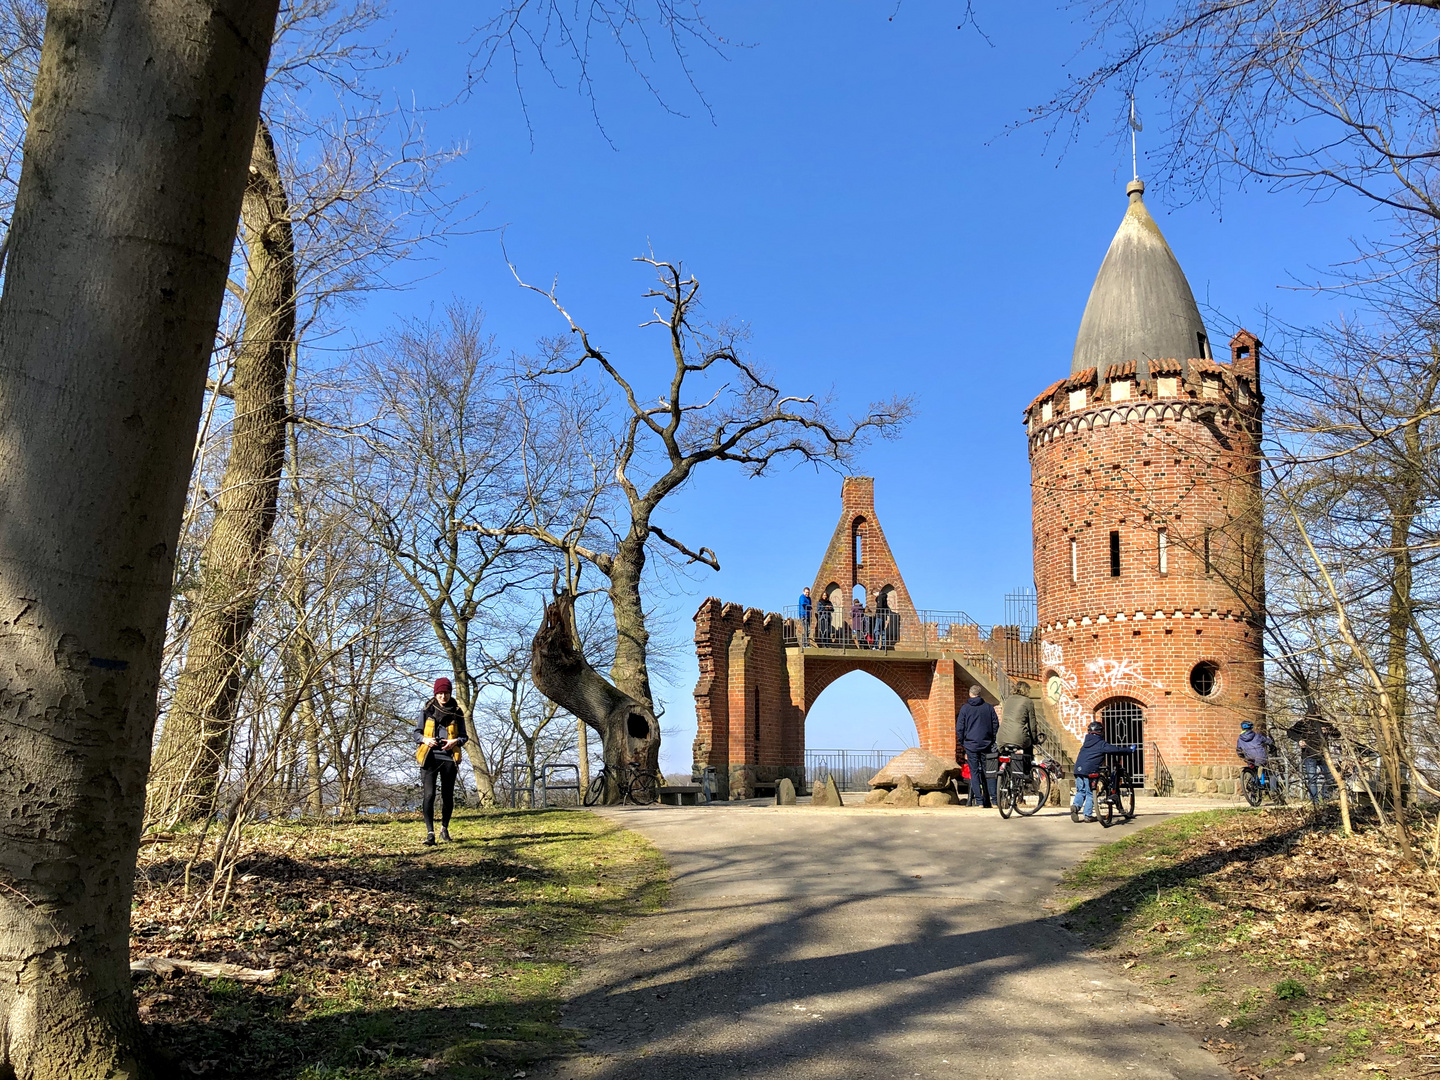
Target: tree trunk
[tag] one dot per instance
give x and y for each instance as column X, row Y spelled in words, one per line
column 631, row 669
column 198, row 727
column 141, row 125
column 464, row 691
column 582, row 742
column 628, row 729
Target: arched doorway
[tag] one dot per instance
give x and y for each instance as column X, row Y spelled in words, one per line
column 1124, row 720
column 855, row 724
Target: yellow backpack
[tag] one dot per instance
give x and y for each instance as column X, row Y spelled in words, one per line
column 423, row 751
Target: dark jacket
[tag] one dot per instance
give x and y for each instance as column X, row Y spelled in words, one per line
column 1018, row 725
column 1314, row 733
column 444, row 716
column 1092, row 753
column 976, row 724
column 1254, row 747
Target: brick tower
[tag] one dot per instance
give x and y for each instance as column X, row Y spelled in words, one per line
column 1146, row 496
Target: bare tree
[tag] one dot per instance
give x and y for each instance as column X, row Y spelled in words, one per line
column 142, row 122
column 717, row 406
column 1330, row 95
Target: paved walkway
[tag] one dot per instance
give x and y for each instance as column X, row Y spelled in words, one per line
column 806, row 943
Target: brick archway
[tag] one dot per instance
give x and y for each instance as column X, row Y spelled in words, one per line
column 909, row 680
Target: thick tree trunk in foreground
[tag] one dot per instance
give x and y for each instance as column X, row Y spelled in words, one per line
column 198, row 726
column 142, row 123
column 631, row 669
column 628, row 729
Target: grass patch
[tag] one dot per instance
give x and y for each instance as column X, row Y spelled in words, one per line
column 1272, row 932
column 395, row 960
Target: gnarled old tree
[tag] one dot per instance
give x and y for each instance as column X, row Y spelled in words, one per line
column 140, row 129
column 716, row 406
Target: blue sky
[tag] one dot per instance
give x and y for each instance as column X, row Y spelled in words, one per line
column 856, row 201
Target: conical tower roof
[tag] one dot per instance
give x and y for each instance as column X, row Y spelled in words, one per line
column 1140, row 307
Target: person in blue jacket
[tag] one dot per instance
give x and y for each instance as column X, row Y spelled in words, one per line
column 804, row 617
column 1255, row 748
column 1091, row 757
column 975, row 728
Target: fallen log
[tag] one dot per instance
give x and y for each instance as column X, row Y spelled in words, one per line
column 165, row 967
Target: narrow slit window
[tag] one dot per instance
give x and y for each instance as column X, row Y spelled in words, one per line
column 1208, row 568
column 859, row 548
column 1164, row 551
column 1074, row 561
column 1114, row 553
column 1203, row 344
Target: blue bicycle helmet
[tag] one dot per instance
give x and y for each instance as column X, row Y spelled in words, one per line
column 1246, row 725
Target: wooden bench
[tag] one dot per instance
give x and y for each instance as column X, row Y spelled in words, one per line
column 679, row 794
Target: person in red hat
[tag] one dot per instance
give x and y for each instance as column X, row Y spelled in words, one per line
column 440, row 736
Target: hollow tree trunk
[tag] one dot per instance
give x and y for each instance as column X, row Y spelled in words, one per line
column 631, row 669
column 141, row 125
column 198, row 727
column 629, row 731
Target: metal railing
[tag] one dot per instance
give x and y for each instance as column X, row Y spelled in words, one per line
column 1000, row 653
column 852, row 769
column 1157, row 774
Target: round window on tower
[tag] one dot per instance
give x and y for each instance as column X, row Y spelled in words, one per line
column 1205, row 678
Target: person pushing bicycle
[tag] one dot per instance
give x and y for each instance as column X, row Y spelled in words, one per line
column 1255, row 748
column 1087, row 763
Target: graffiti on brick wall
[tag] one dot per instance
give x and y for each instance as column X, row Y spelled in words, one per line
column 1065, row 690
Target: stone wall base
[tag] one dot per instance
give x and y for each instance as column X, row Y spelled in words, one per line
column 744, row 779
column 1201, row 780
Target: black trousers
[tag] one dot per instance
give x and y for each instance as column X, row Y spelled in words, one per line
column 444, row 768
column 978, row 784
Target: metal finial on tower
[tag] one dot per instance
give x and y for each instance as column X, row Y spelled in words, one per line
column 1135, row 125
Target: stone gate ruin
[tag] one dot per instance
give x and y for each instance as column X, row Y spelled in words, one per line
column 760, row 672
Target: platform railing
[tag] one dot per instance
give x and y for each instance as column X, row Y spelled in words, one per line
column 999, row 653
column 852, row 769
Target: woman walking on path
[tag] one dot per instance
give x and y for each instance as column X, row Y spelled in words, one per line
column 440, row 735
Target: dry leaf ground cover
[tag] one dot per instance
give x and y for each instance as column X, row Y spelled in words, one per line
column 1290, row 949
column 394, row 960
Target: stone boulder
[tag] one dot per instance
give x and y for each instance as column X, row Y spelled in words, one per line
column 785, row 792
column 937, row 798
column 827, row 794
column 876, row 796
column 903, row 793
column 927, row 771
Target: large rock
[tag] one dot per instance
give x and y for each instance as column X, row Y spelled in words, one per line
column 877, row 795
column 785, row 792
column 904, row 793
column 927, row 771
column 827, row 794
column 937, row 798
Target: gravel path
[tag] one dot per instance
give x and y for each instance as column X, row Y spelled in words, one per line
column 806, row 943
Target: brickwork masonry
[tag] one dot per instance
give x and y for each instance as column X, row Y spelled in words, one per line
column 1148, row 563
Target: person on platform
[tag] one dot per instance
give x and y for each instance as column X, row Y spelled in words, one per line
column 824, row 621
column 857, row 622
column 804, row 617
column 1088, row 762
column 975, row 728
column 439, row 737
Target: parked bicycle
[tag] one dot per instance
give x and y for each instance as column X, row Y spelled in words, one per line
column 637, row 785
column 1258, row 780
column 1021, row 786
column 1114, row 793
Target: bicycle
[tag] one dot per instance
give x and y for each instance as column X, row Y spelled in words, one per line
column 639, row 785
column 1256, row 780
column 1114, row 791
column 1017, row 788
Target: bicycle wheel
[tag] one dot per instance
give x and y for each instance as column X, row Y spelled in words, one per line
column 1035, row 791
column 1105, row 807
column 1251, row 785
column 644, row 786
column 1004, row 796
column 1277, row 789
column 1127, row 799
column 595, row 793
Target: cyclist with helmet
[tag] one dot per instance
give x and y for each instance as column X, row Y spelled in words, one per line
column 1255, row 747
column 1088, row 761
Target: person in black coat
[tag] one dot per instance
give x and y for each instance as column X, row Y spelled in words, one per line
column 975, row 727
column 1088, row 762
column 439, row 737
